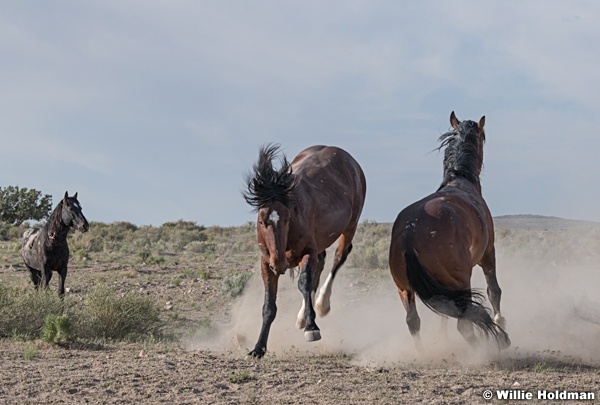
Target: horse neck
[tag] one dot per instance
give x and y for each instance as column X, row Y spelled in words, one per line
column 57, row 230
column 461, row 183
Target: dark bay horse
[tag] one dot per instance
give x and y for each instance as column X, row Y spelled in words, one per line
column 438, row 240
column 303, row 208
column 45, row 249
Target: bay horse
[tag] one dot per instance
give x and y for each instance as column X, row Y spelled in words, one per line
column 303, row 208
column 438, row 240
column 46, row 250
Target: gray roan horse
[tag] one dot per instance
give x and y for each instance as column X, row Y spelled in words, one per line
column 46, row 250
column 437, row 240
column 303, row 208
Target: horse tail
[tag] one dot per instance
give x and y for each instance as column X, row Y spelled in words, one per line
column 464, row 303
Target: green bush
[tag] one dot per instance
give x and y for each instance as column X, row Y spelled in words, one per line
column 57, row 330
column 23, row 311
column 234, row 285
column 126, row 317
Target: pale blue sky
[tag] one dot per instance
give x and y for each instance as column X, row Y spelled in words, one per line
column 154, row 110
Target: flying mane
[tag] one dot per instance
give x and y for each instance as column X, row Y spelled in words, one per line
column 266, row 184
column 461, row 157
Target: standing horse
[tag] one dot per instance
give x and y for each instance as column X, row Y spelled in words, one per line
column 303, row 208
column 45, row 249
column 438, row 240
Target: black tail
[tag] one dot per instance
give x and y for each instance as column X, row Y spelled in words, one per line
column 453, row 303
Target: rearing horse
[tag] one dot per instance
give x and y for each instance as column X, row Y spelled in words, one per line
column 45, row 249
column 303, row 208
column 438, row 240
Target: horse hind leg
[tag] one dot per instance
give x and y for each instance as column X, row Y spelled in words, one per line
column 493, row 289
column 466, row 329
column 412, row 317
column 36, row 276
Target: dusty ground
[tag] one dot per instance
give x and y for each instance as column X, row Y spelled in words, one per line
column 366, row 354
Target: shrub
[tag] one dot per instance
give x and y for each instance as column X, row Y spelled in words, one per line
column 23, row 311
column 106, row 316
column 234, row 285
column 57, row 330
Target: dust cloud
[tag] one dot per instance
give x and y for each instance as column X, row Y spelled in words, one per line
column 551, row 304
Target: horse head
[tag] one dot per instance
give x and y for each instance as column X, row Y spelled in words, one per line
column 72, row 214
column 463, row 156
column 272, row 228
column 469, row 131
column 270, row 191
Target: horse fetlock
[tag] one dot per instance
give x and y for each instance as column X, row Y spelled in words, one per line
column 500, row 321
column 322, row 306
column 300, row 323
column 312, row 335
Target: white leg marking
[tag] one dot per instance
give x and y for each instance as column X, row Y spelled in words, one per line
column 301, row 321
column 323, row 304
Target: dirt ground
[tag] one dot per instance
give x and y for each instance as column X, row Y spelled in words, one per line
column 366, row 354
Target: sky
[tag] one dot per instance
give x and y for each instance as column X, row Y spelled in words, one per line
column 154, row 110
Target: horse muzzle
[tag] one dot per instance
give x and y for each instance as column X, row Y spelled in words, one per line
column 82, row 226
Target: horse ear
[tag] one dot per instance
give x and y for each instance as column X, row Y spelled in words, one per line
column 454, row 121
column 75, row 196
column 66, row 195
column 482, row 122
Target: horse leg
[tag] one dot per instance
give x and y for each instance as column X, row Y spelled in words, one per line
column 344, row 247
column 412, row 317
column 46, row 277
column 300, row 322
column 488, row 264
column 36, row 276
column 269, row 310
column 61, row 286
column 444, row 327
column 305, row 285
column 466, row 329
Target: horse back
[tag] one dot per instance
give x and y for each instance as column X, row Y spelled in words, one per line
column 450, row 226
column 330, row 190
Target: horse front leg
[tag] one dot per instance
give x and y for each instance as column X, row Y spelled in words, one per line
column 46, row 277
column 269, row 310
column 305, row 285
column 488, row 264
column 61, row 286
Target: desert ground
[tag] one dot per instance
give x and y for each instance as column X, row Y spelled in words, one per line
column 547, row 267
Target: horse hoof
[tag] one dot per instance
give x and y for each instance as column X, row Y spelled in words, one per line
column 312, row 335
column 504, row 342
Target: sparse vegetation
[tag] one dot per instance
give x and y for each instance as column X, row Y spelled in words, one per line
column 234, row 284
column 57, row 330
column 29, row 353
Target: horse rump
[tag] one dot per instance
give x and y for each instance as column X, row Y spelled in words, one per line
column 460, row 304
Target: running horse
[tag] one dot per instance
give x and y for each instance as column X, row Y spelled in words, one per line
column 303, row 208
column 438, row 240
column 46, row 250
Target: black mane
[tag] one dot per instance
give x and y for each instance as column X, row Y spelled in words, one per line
column 461, row 157
column 265, row 183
